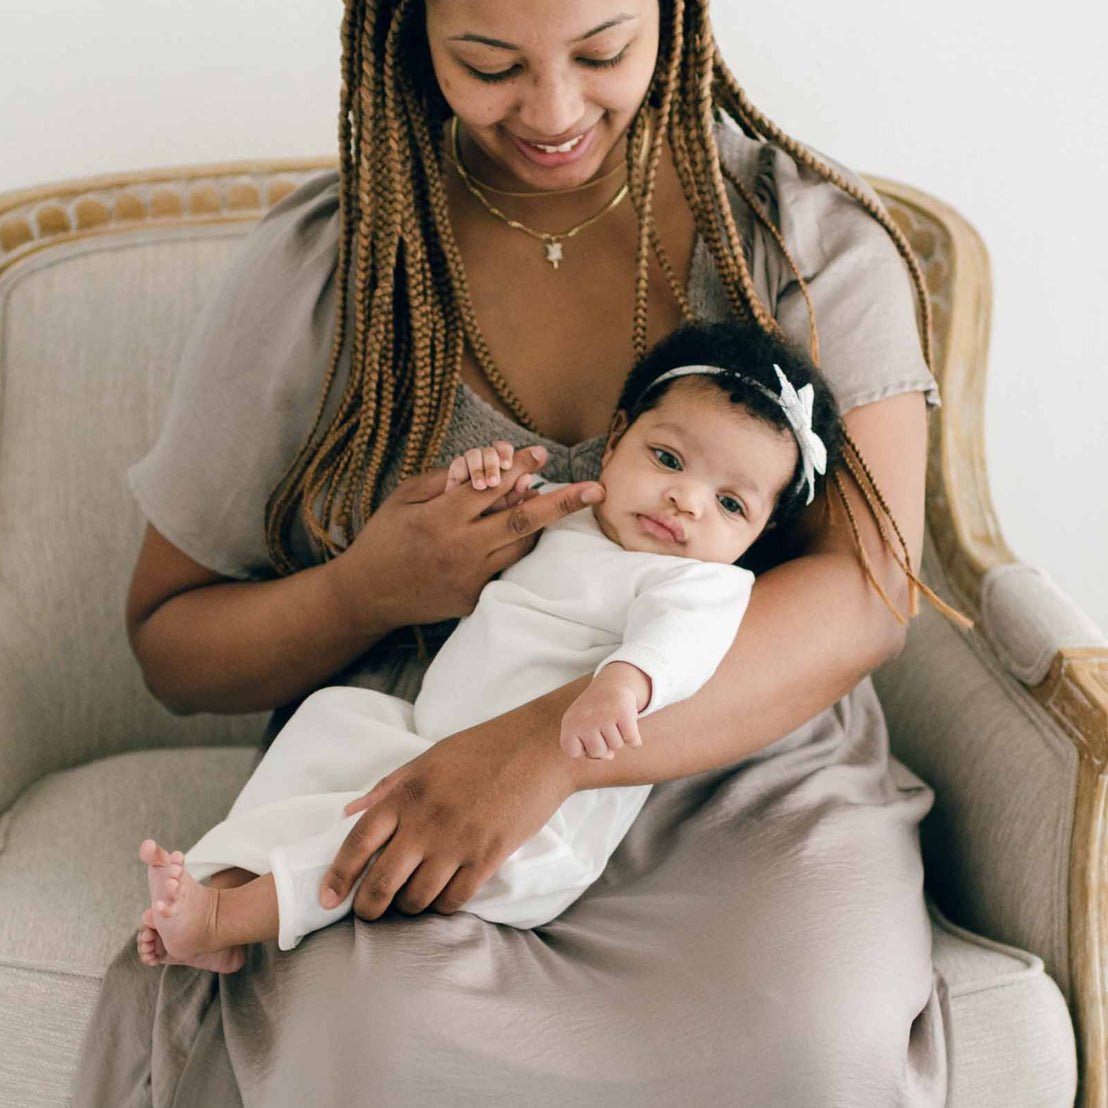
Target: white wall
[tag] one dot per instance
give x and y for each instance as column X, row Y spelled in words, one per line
column 1002, row 114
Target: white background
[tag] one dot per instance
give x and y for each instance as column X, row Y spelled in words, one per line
column 996, row 108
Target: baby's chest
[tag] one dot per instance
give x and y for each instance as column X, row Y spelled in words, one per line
column 582, row 583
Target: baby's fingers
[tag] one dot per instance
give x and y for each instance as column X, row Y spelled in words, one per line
column 457, row 474
column 485, row 463
column 629, row 729
column 595, row 746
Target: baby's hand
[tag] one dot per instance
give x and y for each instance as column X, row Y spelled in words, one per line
column 604, row 718
column 481, row 465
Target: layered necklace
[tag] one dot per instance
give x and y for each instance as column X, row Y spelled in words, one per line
column 552, row 242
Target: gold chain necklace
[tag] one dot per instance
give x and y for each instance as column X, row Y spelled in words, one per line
column 484, row 186
column 552, row 242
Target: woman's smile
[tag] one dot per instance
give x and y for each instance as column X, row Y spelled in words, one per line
column 553, row 153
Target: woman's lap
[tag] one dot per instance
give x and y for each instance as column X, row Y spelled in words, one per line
column 760, row 937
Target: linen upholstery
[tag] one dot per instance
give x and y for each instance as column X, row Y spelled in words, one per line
column 1029, row 619
column 89, row 339
column 75, row 325
column 996, row 844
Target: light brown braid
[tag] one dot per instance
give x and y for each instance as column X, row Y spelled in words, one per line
column 412, row 316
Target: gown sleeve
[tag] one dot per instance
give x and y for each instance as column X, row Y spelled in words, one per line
column 681, row 623
column 247, row 388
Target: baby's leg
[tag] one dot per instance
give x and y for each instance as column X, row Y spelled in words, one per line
column 190, row 924
column 230, row 878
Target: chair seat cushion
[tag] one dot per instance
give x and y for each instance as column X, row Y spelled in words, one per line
column 72, row 889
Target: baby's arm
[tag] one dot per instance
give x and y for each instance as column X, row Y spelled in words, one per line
column 604, row 717
column 680, row 625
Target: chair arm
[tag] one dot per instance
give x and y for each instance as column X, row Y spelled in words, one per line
column 1009, row 725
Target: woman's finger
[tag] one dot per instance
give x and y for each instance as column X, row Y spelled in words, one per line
column 428, row 881
column 530, row 516
column 367, row 836
column 366, row 799
column 390, row 869
column 462, row 888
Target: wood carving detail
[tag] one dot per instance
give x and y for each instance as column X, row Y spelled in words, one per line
column 30, row 220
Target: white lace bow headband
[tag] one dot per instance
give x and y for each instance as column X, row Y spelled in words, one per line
column 797, row 407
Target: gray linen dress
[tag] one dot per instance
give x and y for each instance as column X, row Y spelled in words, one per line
column 760, row 937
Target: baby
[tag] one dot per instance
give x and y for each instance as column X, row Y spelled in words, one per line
column 721, row 433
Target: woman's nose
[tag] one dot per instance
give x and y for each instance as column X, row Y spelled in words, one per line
column 552, row 104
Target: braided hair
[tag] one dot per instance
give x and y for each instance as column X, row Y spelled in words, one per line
column 412, row 316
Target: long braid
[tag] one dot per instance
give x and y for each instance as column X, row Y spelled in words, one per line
column 413, row 316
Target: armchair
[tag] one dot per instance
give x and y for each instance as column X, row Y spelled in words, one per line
column 100, row 280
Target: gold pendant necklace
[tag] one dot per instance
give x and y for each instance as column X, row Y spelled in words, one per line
column 551, row 242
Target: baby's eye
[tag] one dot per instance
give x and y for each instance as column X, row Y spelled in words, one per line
column 731, row 506
column 666, row 458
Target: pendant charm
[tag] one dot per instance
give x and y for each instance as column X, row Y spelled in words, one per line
column 554, row 253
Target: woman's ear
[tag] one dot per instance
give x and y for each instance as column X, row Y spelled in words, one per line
column 616, row 430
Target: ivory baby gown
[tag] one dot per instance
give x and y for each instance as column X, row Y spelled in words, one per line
column 575, row 603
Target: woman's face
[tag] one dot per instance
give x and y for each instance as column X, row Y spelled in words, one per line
column 525, row 77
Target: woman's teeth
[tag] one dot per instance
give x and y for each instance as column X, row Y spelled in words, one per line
column 565, row 148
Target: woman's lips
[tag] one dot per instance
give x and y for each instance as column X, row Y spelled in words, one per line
column 659, row 528
column 550, row 160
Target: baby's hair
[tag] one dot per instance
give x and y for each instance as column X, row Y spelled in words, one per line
column 749, row 354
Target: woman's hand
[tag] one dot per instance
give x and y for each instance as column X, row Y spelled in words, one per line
column 427, row 551
column 444, row 821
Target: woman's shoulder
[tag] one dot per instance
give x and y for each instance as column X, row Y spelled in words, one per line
column 299, row 231
column 247, row 387
column 858, row 283
column 815, row 215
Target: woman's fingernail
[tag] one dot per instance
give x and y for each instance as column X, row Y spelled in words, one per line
column 592, row 495
column 329, row 898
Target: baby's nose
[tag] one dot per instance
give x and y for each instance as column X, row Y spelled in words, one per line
column 685, row 499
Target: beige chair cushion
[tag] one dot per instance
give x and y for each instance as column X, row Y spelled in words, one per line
column 72, row 889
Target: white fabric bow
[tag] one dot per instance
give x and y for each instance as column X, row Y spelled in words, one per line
column 797, row 407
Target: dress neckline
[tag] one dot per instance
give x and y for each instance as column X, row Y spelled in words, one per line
column 699, row 269
column 495, row 415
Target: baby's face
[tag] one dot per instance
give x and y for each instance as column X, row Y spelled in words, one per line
column 695, row 477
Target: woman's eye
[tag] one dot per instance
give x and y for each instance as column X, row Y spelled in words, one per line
column 604, row 63
column 665, row 458
column 731, row 506
column 492, row 78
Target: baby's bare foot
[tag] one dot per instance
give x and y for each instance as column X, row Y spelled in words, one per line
column 179, row 926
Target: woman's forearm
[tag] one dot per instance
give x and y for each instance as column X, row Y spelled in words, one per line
column 814, row 628
column 250, row 646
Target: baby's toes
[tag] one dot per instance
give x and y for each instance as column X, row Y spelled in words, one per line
column 152, row 854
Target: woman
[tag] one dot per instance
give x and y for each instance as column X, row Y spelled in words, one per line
column 529, row 194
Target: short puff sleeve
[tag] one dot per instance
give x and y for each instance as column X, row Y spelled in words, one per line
column 247, row 388
column 860, row 287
